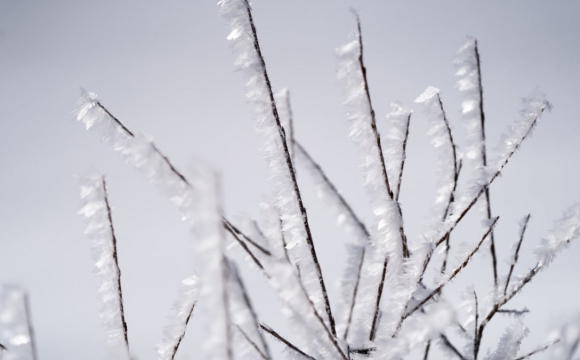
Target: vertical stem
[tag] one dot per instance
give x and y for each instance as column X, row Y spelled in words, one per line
column 484, row 162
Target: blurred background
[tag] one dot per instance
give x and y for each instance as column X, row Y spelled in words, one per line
column 166, row 70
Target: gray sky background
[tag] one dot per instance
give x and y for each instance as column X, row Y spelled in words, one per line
column 165, row 69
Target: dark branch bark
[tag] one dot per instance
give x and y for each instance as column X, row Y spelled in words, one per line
column 243, row 245
column 476, row 322
column 378, row 301
column 484, row 160
column 451, row 347
column 404, row 158
column 427, row 348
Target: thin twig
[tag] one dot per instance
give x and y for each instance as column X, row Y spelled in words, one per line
column 451, row 347
column 513, row 312
column 378, row 301
column 543, row 348
column 243, row 245
column 404, row 158
column 182, row 335
column 262, row 355
column 116, row 260
column 476, row 322
column 277, row 336
column 354, row 293
column 290, row 166
column 246, row 238
column 30, row 328
column 484, row 160
column 427, row 348
column 515, row 259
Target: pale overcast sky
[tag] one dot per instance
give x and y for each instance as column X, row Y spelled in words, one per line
column 166, row 69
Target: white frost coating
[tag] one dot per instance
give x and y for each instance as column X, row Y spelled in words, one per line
column 533, row 107
column 398, row 124
column 138, row 151
column 385, row 234
column 566, row 229
column 415, row 332
column 208, row 233
column 181, row 314
column 510, row 342
column 440, row 139
column 273, row 146
column 468, row 85
column 14, row 332
column 99, row 231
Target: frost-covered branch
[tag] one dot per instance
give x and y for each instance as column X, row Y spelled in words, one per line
column 470, row 85
column 174, row 332
column 449, row 164
column 17, row 330
column 353, row 74
column 244, row 39
column 100, row 230
column 534, row 107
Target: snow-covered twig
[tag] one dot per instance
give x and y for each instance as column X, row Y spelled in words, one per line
column 244, row 39
column 97, row 211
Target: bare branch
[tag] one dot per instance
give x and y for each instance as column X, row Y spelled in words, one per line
column 445, row 341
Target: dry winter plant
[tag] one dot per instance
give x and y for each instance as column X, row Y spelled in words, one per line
column 393, row 299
